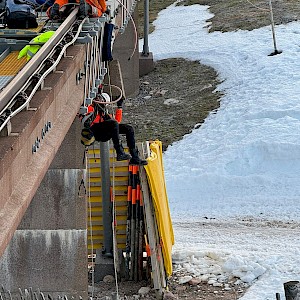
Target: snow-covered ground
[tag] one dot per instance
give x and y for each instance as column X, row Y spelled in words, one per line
column 233, row 184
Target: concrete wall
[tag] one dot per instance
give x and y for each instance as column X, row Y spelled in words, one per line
column 45, row 263
column 70, row 153
column 123, row 48
column 49, row 248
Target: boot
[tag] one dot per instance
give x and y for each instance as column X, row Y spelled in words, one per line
column 54, row 12
column 135, row 159
column 121, row 155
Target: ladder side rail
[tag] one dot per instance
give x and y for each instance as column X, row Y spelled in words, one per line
column 151, row 233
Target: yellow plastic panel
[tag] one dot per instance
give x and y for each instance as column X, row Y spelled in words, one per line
column 156, row 179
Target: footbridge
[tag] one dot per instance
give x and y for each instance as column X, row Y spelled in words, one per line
column 52, row 207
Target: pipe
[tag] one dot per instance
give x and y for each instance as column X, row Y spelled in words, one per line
column 106, row 203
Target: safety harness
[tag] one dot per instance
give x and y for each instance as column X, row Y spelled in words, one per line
column 87, row 136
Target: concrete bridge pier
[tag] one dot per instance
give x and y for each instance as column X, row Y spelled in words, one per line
column 49, row 249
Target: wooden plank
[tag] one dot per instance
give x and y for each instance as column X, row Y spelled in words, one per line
column 150, row 229
column 161, row 259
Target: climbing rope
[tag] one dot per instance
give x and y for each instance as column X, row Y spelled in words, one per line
column 111, row 102
column 134, row 26
column 263, row 9
column 114, row 221
column 114, row 225
column 87, row 166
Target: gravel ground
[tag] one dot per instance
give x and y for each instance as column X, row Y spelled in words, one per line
column 175, row 98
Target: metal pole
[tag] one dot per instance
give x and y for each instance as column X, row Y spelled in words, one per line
column 273, row 30
column 146, row 28
column 106, row 203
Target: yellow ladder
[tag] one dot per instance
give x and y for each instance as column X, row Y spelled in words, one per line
column 118, row 170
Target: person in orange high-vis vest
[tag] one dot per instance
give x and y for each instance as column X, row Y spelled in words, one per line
column 101, row 126
column 92, row 8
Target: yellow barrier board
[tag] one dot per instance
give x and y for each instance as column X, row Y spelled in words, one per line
column 156, row 180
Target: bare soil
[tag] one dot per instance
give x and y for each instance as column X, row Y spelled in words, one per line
column 176, row 98
column 178, row 95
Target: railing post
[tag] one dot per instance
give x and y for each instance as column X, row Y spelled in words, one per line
column 146, row 28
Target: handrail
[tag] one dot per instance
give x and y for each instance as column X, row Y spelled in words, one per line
column 20, row 79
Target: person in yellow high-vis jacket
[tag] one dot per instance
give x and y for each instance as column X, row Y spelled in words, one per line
column 35, row 45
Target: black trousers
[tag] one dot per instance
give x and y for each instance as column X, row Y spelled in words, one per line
column 110, row 129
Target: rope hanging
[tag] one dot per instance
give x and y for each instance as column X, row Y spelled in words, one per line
column 114, row 221
column 134, row 26
column 87, row 166
column 259, row 8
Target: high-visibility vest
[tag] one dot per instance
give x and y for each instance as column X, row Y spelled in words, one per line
column 99, row 117
column 35, row 44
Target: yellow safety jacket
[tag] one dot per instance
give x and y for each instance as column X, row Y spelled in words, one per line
column 35, row 44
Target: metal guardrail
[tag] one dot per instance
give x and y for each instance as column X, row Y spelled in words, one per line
column 20, row 79
column 40, row 65
column 127, row 8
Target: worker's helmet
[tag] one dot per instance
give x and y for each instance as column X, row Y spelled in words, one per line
column 105, row 97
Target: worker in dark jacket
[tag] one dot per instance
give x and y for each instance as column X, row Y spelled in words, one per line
column 101, row 126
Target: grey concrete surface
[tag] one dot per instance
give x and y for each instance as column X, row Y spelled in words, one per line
column 45, row 260
column 124, row 47
column 70, row 153
column 56, row 204
column 49, row 249
column 146, row 64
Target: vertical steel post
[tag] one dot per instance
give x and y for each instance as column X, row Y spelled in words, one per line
column 106, row 202
column 273, row 30
column 146, row 28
